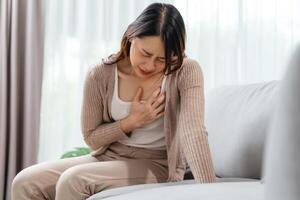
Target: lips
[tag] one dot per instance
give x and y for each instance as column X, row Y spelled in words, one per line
column 146, row 73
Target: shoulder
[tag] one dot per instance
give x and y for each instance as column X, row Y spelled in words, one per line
column 99, row 71
column 189, row 66
column 189, row 74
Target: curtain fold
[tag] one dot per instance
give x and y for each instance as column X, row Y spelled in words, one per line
column 21, row 67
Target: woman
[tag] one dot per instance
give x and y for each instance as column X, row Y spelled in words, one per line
column 142, row 115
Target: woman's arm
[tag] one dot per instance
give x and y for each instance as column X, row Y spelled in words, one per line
column 95, row 132
column 191, row 129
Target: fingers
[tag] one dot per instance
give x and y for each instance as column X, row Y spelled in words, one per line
column 154, row 95
column 160, row 114
column 160, row 99
column 159, row 109
column 138, row 95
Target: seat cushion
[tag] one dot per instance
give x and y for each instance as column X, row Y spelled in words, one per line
column 133, row 188
column 214, row 191
column 236, row 118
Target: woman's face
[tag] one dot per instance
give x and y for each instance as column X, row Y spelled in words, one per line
column 147, row 56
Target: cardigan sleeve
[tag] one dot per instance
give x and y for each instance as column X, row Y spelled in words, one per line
column 192, row 132
column 96, row 133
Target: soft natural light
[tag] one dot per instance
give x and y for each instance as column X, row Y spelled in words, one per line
column 235, row 42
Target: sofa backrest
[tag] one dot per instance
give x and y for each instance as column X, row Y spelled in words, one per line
column 282, row 163
column 237, row 119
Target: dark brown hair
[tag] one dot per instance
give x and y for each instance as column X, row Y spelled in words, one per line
column 158, row 19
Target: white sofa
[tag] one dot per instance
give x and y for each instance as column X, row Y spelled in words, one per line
column 239, row 120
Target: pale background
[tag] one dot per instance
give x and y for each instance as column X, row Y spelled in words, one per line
column 235, row 42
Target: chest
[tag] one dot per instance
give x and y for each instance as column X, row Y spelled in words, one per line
column 127, row 88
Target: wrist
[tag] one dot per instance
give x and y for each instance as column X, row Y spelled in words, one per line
column 128, row 125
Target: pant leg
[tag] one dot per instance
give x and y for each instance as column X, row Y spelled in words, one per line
column 38, row 181
column 121, row 166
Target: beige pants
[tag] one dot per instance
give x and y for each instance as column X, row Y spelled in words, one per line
column 81, row 177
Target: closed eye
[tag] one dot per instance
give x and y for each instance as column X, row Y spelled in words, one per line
column 145, row 54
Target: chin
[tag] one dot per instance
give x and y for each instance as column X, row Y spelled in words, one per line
column 143, row 73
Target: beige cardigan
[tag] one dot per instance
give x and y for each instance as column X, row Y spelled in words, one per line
column 185, row 134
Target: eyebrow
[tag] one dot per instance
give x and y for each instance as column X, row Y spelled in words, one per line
column 151, row 54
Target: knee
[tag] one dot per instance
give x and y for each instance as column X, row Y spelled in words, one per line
column 70, row 179
column 21, row 184
column 30, row 183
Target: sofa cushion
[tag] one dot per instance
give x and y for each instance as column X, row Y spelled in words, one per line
column 133, row 188
column 236, row 118
column 214, row 191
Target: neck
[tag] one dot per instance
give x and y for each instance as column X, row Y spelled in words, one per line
column 126, row 68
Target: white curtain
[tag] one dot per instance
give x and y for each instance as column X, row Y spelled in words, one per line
column 235, row 42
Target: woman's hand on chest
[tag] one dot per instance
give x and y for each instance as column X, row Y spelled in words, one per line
column 145, row 112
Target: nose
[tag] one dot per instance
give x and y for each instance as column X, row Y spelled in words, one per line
column 149, row 66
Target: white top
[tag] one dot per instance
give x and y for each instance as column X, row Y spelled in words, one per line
column 149, row 136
